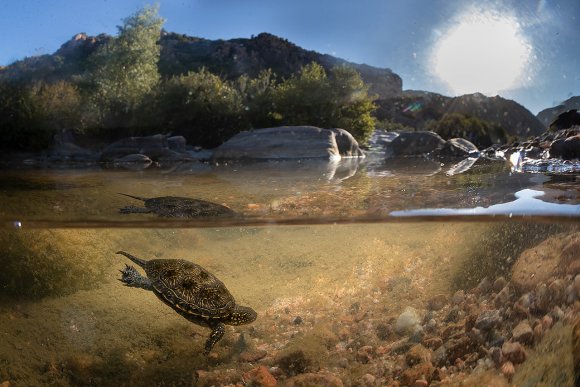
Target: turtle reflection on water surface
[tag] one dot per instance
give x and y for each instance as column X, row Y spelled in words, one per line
column 191, row 291
column 177, row 207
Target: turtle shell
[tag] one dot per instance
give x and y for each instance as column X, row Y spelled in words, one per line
column 178, row 207
column 189, row 288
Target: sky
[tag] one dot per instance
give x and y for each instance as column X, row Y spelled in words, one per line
column 525, row 50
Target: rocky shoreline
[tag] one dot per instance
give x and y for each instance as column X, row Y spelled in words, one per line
column 557, row 151
column 515, row 331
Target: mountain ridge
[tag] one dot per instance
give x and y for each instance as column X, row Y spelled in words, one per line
column 231, row 58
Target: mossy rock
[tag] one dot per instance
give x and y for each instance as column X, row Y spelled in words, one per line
column 40, row 263
column 494, row 252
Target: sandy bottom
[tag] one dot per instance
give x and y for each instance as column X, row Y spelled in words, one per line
column 303, row 282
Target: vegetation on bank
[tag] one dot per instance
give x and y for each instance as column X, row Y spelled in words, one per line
column 120, row 92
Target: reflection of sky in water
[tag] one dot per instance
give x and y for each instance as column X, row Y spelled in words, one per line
column 526, row 203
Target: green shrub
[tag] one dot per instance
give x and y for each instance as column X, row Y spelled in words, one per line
column 481, row 133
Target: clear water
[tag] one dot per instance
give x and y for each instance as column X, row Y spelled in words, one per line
column 326, row 253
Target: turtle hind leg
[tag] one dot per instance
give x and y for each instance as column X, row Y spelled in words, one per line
column 216, row 334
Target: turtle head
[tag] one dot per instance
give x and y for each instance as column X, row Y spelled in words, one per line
column 131, row 277
column 242, row 315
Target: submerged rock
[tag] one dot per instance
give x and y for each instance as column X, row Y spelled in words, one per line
column 537, row 264
column 407, row 322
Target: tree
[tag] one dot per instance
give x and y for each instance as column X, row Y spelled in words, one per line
column 30, row 115
column 125, row 68
column 481, row 133
column 201, row 106
column 354, row 105
column 339, row 99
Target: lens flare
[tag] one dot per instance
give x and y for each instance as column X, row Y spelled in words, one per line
column 483, row 52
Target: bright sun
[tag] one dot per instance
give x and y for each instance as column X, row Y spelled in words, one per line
column 483, row 53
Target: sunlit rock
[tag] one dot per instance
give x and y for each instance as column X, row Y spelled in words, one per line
column 289, row 142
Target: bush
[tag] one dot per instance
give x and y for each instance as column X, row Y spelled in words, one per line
column 30, row 116
column 340, row 100
column 481, row 133
column 200, row 106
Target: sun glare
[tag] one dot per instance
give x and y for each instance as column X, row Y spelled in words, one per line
column 483, row 53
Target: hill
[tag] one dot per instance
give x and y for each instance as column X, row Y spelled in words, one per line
column 181, row 53
column 232, row 58
column 548, row 115
column 417, row 109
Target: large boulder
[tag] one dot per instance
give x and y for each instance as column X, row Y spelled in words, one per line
column 409, row 143
column 289, row 142
column 557, row 254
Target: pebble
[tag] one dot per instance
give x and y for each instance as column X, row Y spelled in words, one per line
column 457, row 348
column 508, row 370
column 433, row 342
column 407, row 321
column 368, row 380
column 431, row 325
column 496, row 355
column 458, row 297
column 502, row 297
column 454, row 315
column 538, row 331
column 488, row 319
column 311, row 379
column 365, row 354
column 523, row 333
column 250, row 356
column 384, row 331
column 547, row 322
column 499, row 284
column 423, row 371
column 484, row 286
column 417, row 354
column 261, row 376
column 514, row 352
column 437, row 302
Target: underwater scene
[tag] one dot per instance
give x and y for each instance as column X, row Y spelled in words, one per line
column 294, row 273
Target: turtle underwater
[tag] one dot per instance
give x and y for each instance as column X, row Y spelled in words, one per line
column 177, row 207
column 191, row 291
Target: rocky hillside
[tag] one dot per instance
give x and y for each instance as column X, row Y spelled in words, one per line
column 546, row 116
column 182, row 53
column 417, row 108
column 232, row 58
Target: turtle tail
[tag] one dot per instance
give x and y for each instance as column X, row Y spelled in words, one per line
column 134, row 197
column 138, row 261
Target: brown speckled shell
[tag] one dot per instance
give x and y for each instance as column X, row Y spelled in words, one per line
column 189, row 288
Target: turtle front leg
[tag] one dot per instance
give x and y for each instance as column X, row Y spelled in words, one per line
column 215, row 336
column 132, row 278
